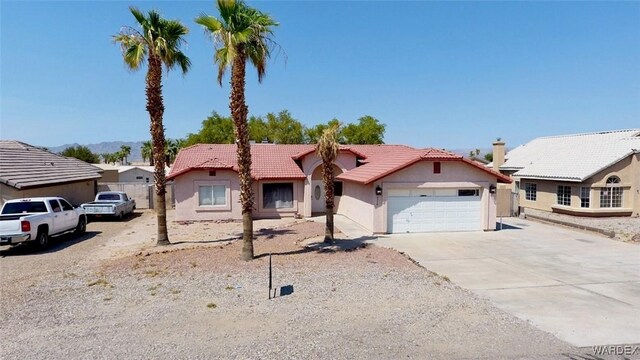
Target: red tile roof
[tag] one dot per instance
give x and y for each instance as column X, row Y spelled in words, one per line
column 276, row 161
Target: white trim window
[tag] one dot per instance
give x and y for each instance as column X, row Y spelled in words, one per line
column 611, row 194
column 530, row 191
column 212, row 195
column 564, row 195
column 277, row 196
column 585, row 197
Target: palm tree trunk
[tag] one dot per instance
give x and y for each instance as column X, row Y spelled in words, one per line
column 239, row 113
column 155, row 107
column 327, row 173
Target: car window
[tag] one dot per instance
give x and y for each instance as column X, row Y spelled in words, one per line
column 29, row 207
column 55, row 206
column 109, row 197
column 65, row 205
column 125, row 197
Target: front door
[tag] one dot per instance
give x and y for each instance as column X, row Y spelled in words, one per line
column 318, row 204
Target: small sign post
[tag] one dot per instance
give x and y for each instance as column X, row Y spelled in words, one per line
column 270, row 277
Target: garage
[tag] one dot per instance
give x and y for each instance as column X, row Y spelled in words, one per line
column 433, row 210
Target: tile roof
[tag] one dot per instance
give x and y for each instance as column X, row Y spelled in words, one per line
column 277, row 161
column 571, row 157
column 24, row 166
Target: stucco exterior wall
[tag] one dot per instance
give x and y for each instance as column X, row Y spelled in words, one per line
column 346, row 161
column 360, row 203
column 628, row 170
column 76, row 193
column 188, row 209
column 186, row 194
column 133, row 174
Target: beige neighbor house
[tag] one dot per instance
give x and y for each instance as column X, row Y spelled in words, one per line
column 29, row 171
column 384, row 188
column 591, row 174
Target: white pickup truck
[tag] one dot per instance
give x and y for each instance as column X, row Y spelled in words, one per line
column 37, row 219
column 110, row 203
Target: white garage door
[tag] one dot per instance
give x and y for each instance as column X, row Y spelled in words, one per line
column 431, row 210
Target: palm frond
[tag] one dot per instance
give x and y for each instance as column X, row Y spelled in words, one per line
column 210, row 23
column 134, row 57
column 140, row 18
column 227, row 9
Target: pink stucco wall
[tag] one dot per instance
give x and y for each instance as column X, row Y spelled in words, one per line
column 186, row 193
column 360, row 203
column 346, row 161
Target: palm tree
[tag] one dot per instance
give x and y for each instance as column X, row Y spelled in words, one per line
column 146, row 151
column 159, row 41
column 328, row 148
column 242, row 33
column 125, row 151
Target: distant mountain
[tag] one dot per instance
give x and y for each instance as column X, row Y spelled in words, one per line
column 107, row 147
column 465, row 152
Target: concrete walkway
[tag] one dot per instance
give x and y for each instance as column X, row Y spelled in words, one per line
column 582, row 287
column 348, row 227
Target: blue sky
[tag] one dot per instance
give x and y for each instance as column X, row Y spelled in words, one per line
column 448, row 75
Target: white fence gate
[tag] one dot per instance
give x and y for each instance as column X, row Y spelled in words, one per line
column 142, row 193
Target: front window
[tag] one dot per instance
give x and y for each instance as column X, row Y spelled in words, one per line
column 212, row 195
column 564, row 195
column 611, row 194
column 530, row 191
column 585, row 196
column 277, row 196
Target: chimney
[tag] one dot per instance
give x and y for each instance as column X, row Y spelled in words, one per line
column 498, row 154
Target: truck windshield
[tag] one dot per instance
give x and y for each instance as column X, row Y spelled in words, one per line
column 113, row 197
column 24, row 207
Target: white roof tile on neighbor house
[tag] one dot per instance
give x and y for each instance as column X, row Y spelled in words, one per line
column 571, row 157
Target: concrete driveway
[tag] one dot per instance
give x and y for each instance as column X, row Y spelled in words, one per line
column 581, row 287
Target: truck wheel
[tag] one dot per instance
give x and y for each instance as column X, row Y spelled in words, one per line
column 82, row 226
column 121, row 216
column 42, row 239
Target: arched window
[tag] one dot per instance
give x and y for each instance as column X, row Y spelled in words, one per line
column 611, row 194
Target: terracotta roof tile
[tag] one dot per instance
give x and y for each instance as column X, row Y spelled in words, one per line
column 277, row 161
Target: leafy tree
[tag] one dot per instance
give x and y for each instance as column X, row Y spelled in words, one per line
column 110, row 158
column 81, row 152
column 173, row 147
column 284, row 129
column 328, row 148
column 368, row 130
column 241, row 34
column 259, row 130
column 216, row 129
column 312, row 135
column 488, row 157
column 159, row 41
column 146, row 151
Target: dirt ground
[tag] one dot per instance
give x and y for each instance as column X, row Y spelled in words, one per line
column 112, row 294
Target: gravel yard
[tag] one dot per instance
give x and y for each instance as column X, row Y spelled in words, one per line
column 626, row 228
column 112, row 295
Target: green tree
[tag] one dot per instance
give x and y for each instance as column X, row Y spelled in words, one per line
column 313, row 134
column 158, row 43
column 328, row 149
column 368, row 130
column 488, row 157
column 284, row 129
column 241, row 34
column 124, row 153
column 173, row 147
column 81, row 152
column 146, row 150
column 258, row 130
column 216, row 129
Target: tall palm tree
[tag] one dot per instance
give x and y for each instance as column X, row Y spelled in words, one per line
column 125, row 151
column 159, row 41
column 146, row 150
column 242, row 33
column 328, row 148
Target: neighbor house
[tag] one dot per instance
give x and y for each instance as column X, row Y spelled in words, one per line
column 591, row 174
column 29, row 171
column 127, row 173
column 384, row 188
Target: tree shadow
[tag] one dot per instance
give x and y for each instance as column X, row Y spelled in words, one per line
column 320, row 247
column 272, row 233
column 225, row 240
column 56, row 243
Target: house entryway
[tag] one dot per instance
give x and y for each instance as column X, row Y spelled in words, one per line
column 317, row 197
